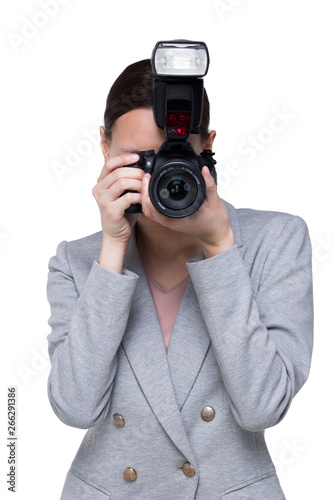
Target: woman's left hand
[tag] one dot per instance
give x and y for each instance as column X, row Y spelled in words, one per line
column 210, row 224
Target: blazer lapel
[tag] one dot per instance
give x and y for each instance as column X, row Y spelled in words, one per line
column 188, row 346
column 144, row 347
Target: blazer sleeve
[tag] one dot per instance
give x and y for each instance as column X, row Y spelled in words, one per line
column 262, row 341
column 86, row 331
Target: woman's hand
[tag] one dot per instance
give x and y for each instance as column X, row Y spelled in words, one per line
column 209, row 224
column 111, row 184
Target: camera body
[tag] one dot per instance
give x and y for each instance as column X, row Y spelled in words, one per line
column 176, row 187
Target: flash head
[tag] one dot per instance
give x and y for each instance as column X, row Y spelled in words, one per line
column 180, row 58
column 178, row 67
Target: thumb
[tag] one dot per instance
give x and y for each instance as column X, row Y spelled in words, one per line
column 209, row 179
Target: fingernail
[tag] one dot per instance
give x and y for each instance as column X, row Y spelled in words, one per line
column 145, row 181
column 132, row 156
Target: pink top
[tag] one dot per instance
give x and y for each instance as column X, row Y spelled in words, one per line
column 167, row 305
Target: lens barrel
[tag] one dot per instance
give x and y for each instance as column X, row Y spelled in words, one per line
column 177, row 189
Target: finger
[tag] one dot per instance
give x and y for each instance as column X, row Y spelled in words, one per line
column 145, row 194
column 210, row 183
column 147, row 207
column 120, row 173
column 146, row 204
column 118, row 188
column 149, row 211
column 126, row 201
column 145, row 185
column 116, row 162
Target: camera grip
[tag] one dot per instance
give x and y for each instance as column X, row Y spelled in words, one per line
column 145, row 164
column 135, row 208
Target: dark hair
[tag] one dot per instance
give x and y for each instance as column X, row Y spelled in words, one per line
column 133, row 89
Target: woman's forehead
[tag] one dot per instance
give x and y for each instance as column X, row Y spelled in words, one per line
column 136, row 128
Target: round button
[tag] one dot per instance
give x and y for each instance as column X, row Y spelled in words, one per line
column 207, row 413
column 118, row 420
column 188, row 469
column 130, row 474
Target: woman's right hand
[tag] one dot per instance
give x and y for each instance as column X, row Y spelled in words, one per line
column 111, row 184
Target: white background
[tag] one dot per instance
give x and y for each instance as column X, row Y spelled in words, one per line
column 56, row 74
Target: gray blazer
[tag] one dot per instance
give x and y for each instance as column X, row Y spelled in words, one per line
column 187, row 423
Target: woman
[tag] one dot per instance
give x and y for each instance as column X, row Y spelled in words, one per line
column 177, row 342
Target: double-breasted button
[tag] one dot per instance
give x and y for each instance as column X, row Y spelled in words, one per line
column 130, row 474
column 188, row 469
column 118, row 420
column 207, row 413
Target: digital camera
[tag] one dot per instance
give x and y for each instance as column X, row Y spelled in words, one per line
column 177, row 187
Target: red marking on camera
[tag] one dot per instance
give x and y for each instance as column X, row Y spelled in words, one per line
column 178, row 124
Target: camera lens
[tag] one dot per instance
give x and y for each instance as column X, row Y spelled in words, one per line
column 176, row 189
